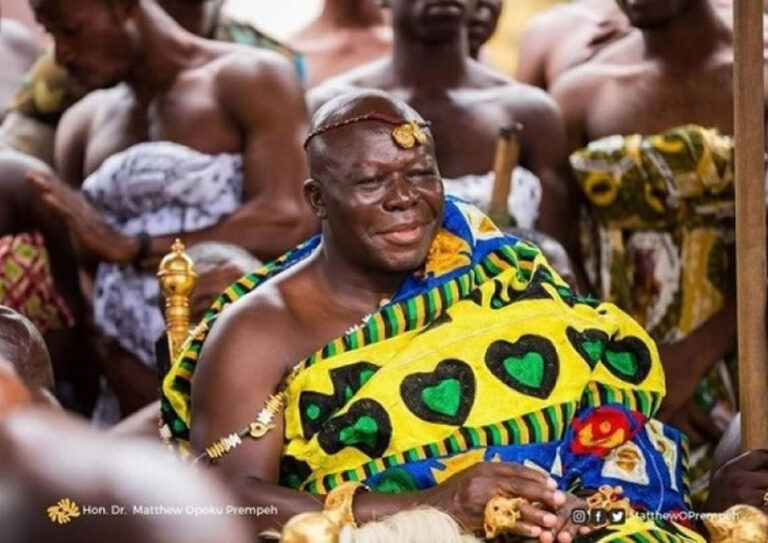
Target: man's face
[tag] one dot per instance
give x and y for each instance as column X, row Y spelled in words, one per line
column 483, row 20
column 648, row 14
column 383, row 204
column 91, row 38
column 432, row 20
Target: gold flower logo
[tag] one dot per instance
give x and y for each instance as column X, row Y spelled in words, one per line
column 64, row 511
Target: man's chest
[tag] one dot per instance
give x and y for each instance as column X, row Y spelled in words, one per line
column 655, row 104
column 194, row 119
column 465, row 134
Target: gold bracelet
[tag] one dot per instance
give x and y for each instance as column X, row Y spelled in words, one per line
column 255, row 430
column 339, row 501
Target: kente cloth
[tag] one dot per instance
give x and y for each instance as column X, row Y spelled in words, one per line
column 26, row 283
column 159, row 188
column 662, row 222
column 483, row 355
column 524, row 198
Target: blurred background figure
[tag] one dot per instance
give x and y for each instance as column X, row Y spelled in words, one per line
column 49, row 456
column 346, row 34
column 18, row 50
column 482, row 24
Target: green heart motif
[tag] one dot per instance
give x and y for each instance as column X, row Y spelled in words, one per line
column 528, row 370
column 443, row 398
column 363, row 430
column 625, row 363
column 594, row 349
column 365, row 426
column 590, row 344
column 628, row 359
column 530, row 365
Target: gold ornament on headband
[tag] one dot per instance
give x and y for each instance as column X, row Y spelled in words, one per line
column 409, row 134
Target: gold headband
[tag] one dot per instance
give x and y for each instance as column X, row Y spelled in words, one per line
column 405, row 133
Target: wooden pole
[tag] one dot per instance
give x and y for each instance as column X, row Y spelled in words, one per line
column 750, row 221
column 505, row 162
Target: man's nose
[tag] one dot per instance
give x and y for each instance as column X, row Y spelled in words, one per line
column 401, row 194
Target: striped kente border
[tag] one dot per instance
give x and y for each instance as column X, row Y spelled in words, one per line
column 548, row 424
column 598, row 394
column 652, row 535
column 418, row 311
column 685, row 462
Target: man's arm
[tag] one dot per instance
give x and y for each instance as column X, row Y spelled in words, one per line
column 231, row 386
column 71, row 140
column 265, row 100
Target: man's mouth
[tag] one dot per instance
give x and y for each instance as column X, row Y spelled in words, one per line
column 445, row 8
column 406, row 234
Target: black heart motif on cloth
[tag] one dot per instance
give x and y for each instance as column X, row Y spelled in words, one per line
column 530, row 365
column 365, row 426
column 293, row 472
column 444, row 396
column 628, row 359
column 590, row 344
column 315, row 407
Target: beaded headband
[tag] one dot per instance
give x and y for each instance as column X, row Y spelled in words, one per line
column 405, row 133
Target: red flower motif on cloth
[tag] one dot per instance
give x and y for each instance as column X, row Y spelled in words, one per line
column 603, row 430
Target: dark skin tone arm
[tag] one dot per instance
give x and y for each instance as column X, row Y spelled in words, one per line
column 252, row 469
column 272, row 217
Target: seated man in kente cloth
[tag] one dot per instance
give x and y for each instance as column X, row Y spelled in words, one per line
column 415, row 348
column 660, row 191
column 467, row 103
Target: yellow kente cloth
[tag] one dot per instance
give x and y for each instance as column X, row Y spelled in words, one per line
column 484, row 355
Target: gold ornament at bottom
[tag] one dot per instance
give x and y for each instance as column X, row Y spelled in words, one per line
column 501, row 515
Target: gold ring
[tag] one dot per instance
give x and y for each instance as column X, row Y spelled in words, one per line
column 501, row 515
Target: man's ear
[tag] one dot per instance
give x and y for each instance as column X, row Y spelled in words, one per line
column 313, row 194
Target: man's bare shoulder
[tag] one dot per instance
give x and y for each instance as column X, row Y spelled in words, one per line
column 263, row 69
column 520, row 100
column 374, row 75
column 551, row 23
column 256, row 326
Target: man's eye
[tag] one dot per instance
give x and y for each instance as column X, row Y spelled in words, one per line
column 422, row 174
column 369, row 181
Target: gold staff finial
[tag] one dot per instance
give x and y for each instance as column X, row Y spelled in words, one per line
column 177, row 282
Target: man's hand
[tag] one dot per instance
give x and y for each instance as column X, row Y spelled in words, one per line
column 565, row 530
column 465, row 495
column 88, row 228
column 743, row 480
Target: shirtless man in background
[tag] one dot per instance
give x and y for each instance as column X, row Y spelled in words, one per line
column 675, row 70
column 176, row 108
column 346, row 34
